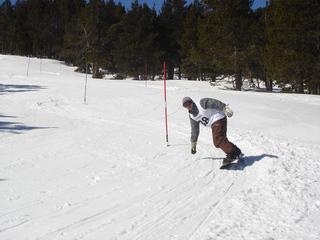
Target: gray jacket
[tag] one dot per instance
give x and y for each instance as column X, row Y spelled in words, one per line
column 204, row 103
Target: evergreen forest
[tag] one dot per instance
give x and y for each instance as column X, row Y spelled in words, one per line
column 278, row 44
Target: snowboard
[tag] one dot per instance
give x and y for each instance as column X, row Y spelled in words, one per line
column 232, row 164
column 229, row 165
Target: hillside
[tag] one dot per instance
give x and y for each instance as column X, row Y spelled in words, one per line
column 102, row 170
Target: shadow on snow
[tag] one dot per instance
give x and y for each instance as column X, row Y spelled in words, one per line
column 9, row 88
column 250, row 160
column 15, row 127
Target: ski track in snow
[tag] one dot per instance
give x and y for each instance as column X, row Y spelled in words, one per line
column 101, row 170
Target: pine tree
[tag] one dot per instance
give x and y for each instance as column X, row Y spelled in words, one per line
column 224, row 35
column 255, row 64
column 22, row 38
column 39, row 26
column 193, row 64
column 113, row 15
column 6, row 27
column 64, row 11
column 172, row 16
column 291, row 55
column 85, row 40
column 135, row 41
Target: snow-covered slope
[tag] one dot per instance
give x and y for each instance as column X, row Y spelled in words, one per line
column 102, row 170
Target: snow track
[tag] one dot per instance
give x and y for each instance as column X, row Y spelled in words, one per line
column 102, row 170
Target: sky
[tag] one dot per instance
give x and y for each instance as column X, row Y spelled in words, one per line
column 158, row 4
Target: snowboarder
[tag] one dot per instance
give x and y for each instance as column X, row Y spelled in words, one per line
column 211, row 113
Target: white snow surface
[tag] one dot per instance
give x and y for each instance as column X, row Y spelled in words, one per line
column 102, row 169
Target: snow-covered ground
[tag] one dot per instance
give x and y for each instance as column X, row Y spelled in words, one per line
column 102, row 170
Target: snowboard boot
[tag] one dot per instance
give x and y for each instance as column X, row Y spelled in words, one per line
column 229, row 159
column 232, row 157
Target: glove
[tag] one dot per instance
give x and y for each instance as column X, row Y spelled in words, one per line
column 227, row 111
column 193, row 147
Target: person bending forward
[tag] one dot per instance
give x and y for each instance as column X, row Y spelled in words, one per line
column 211, row 113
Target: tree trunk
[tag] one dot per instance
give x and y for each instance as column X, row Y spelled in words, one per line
column 170, row 69
column 238, row 79
column 268, row 85
column 95, row 71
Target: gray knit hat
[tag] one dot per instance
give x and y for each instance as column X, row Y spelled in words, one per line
column 186, row 99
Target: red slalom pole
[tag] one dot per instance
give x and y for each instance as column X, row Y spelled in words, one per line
column 165, row 100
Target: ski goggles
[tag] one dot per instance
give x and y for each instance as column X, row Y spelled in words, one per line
column 187, row 104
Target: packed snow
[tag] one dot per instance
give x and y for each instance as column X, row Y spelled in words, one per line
column 101, row 169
